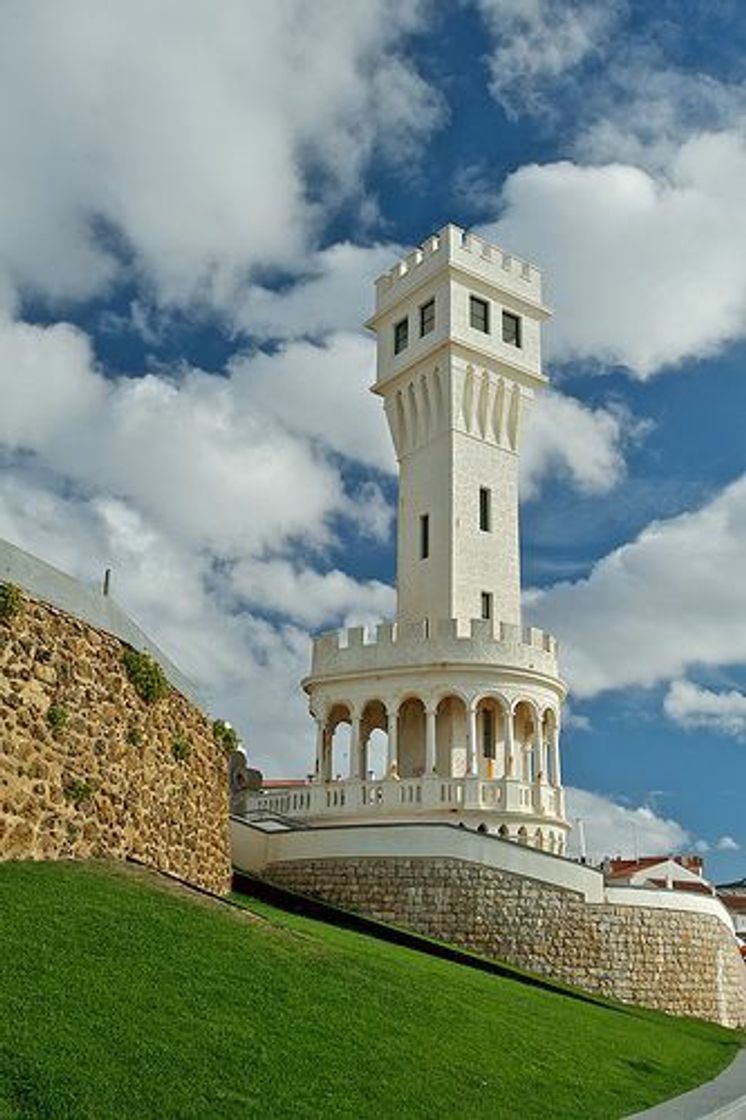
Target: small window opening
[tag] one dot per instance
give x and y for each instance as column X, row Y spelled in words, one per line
column 511, row 329
column 485, row 509
column 401, row 335
column 479, row 314
column 486, row 604
column 427, row 317
column 488, row 733
column 424, row 536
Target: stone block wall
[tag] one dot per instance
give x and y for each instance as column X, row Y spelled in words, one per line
column 108, row 782
column 676, row 961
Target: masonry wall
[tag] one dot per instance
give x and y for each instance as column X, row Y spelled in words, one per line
column 107, row 783
column 680, row 962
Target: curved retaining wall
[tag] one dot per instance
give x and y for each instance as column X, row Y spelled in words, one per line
column 674, row 953
column 108, row 783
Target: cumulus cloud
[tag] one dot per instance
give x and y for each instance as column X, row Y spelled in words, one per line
column 538, row 41
column 694, row 708
column 197, row 149
column 627, row 288
column 612, row 829
column 728, row 844
column 311, row 597
column 334, row 294
column 320, row 390
column 655, row 606
column 566, row 438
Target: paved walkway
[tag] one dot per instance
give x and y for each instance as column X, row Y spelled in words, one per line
column 721, row 1099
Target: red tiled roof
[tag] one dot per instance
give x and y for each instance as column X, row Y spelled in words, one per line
column 623, row 868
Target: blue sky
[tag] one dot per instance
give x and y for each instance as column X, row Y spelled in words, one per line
column 195, row 202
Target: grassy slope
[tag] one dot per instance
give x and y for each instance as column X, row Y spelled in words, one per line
column 120, row 998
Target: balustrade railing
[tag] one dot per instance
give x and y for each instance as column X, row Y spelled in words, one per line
column 399, row 796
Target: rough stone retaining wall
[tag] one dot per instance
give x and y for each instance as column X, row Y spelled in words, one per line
column 680, row 962
column 106, row 784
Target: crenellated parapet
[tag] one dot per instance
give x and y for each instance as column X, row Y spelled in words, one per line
column 461, row 249
column 448, row 641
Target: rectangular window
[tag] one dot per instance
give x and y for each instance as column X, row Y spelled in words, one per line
column 511, row 329
column 427, row 317
column 424, row 536
column 401, row 335
column 488, row 733
column 485, row 509
column 479, row 314
column 486, row 604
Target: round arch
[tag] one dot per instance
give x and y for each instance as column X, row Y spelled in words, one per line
column 451, row 709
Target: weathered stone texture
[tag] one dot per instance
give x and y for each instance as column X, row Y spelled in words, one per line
column 676, row 961
column 106, row 784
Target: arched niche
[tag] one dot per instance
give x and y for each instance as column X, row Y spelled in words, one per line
column 411, row 738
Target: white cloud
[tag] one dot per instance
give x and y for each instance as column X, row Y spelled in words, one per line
column 667, row 600
column 615, row 830
column 535, row 42
column 205, row 147
column 728, row 844
column 311, row 597
column 335, row 294
column 627, row 288
column 567, row 438
column 320, row 390
column 192, row 454
column 693, row 707
column 645, row 111
column 656, row 150
column 576, row 721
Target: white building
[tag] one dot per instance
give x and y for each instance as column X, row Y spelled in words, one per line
column 469, row 700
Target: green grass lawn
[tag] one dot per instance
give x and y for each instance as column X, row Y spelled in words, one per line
column 120, row 997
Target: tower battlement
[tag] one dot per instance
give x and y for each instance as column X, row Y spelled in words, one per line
column 446, row 641
column 462, row 249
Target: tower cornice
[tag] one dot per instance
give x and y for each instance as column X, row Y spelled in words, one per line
column 478, row 356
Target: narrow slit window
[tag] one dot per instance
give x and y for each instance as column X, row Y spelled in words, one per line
column 488, row 733
column 427, row 317
column 511, row 329
column 487, row 604
column 485, row 509
column 424, row 536
column 479, row 314
column 401, row 335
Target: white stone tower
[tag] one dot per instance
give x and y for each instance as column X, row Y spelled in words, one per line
column 469, row 700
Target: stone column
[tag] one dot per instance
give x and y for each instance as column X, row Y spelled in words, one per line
column 540, row 748
column 472, row 755
column 556, row 772
column 392, row 761
column 509, row 744
column 430, row 741
column 355, row 747
column 319, row 774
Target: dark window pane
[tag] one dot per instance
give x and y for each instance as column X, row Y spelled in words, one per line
column 485, row 519
column 511, row 329
column 479, row 314
column 424, row 536
column 401, row 335
column 427, row 317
